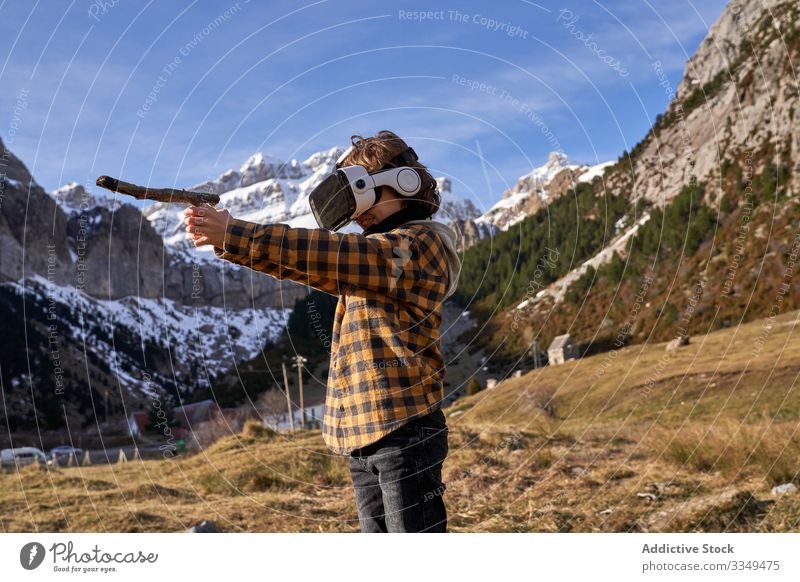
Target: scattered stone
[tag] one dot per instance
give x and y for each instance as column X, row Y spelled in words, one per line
column 204, row 526
column 716, row 510
column 665, row 488
column 660, row 489
column 678, row 342
column 783, row 489
column 578, row 471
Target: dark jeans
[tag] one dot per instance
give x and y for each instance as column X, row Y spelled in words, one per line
column 398, row 479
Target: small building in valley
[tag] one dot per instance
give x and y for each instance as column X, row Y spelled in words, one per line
column 562, row 349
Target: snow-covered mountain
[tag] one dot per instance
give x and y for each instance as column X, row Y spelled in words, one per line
column 96, row 305
column 532, row 192
column 74, row 198
column 267, row 190
column 197, row 341
column 264, row 189
column 537, row 189
column 453, row 207
column 135, row 307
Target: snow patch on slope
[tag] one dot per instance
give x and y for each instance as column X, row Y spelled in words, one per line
column 199, row 339
column 594, row 171
column 558, row 289
column 534, row 190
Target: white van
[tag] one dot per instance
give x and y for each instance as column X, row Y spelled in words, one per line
column 21, row 456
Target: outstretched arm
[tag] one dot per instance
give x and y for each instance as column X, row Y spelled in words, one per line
column 394, row 263
column 208, row 225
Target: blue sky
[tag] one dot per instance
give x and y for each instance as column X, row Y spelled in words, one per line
column 173, row 93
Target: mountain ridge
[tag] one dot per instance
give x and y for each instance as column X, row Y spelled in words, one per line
column 724, row 147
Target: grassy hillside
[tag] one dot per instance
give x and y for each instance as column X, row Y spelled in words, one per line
column 634, row 440
column 692, row 268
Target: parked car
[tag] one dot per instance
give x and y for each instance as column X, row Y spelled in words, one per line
column 21, row 456
column 62, row 453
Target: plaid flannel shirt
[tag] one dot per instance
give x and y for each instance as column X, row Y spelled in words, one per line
column 386, row 367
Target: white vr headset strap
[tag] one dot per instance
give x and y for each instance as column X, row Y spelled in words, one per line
column 405, row 181
column 344, row 156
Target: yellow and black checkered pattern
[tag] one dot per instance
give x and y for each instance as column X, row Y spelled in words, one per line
column 386, row 366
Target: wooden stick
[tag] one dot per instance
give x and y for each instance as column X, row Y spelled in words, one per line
column 158, row 194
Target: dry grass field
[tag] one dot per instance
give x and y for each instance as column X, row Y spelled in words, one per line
column 635, row 440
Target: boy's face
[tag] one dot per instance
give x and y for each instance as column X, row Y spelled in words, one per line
column 389, row 203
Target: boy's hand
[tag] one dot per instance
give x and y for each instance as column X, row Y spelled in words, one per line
column 206, row 225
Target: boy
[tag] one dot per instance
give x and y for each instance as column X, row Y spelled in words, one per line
column 385, row 385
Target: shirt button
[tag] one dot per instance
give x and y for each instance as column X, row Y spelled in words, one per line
column 341, row 409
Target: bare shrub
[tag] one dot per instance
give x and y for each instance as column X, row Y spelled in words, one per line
column 271, row 405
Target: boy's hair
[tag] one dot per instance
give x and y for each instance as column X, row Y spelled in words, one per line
column 375, row 152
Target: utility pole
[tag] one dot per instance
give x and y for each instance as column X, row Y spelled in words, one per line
column 288, row 398
column 105, row 405
column 537, row 354
column 298, row 363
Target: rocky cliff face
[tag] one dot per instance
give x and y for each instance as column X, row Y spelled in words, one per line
column 736, row 104
column 92, row 300
column 111, row 249
column 32, row 226
column 453, row 207
column 118, row 252
column 469, row 232
column 728, row 134
column 737, row 101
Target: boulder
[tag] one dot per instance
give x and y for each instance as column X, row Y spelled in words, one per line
column 785, row 488
column 678, row 342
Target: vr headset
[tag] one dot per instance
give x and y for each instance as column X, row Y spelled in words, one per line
column 350, row 191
